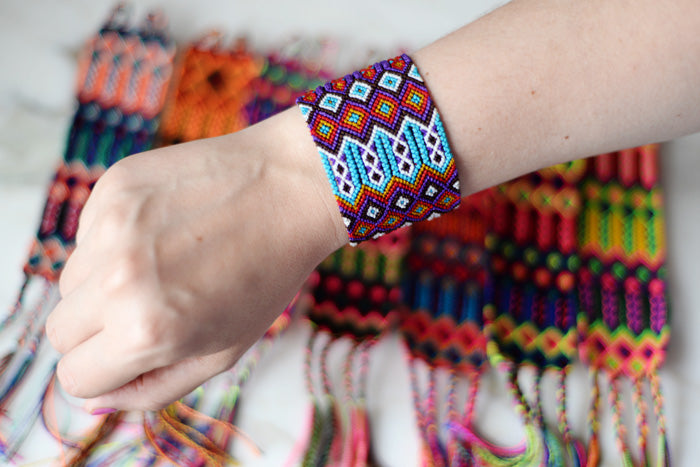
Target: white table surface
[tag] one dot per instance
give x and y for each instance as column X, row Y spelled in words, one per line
column 38, row 44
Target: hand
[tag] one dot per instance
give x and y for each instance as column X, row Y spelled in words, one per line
column 185, row 255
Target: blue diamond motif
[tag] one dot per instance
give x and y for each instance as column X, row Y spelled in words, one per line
column 360, row 90
column 390, row 81
column 325, row 129
column 330, row 102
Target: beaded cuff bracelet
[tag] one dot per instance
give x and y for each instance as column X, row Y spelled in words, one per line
column 383, row 146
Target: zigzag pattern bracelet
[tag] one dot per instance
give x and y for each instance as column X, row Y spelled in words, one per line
column 384, row 148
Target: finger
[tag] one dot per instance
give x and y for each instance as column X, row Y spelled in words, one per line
column 87, row 217
column 100, row 365
column 92, row 207
column 77, row 269
column 160, row 387
column 73, row 320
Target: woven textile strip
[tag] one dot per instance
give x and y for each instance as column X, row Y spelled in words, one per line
column 532, row 310
column 211, row 92
column 121, row 87
column 624, row 316
column 384, row 148
column 446, row 276
column 281, row 81
column 356, row 294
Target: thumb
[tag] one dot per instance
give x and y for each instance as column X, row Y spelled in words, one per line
column 160, row 387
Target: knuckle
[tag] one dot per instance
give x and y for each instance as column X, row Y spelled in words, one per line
column 116, row 216
column 118, row 207
column 116, row 179
column 126, row 272
column 149, row 337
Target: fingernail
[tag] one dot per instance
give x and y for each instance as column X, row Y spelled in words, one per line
column 102, row 411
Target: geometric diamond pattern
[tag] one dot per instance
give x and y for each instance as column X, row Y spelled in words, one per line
column 621, row 351
column 526, row 343
column 534, row 250
column 379, row 133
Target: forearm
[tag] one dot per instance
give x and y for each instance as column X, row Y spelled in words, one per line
column 538, row 82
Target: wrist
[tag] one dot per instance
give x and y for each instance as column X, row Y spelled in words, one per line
column 322, row 203
column 300, row 185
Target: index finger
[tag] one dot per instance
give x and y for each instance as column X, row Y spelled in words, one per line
column 98, row 366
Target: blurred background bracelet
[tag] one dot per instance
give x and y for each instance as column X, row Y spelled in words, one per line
column 383, row 147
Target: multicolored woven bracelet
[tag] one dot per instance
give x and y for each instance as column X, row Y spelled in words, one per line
column 383, row 146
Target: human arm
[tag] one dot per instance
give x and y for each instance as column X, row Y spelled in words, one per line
column 186, row 254
column 539, row 82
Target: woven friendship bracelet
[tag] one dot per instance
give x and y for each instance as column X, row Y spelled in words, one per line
column 383, row 146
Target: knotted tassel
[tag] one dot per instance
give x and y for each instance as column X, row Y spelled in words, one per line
column 663, row 456
column 323, row 416
column 433, row 453
column 356, row 294
column 356, row 447
column 593, row 450
column 575, row 448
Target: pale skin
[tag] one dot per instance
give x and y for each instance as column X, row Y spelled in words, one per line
column 187, row 254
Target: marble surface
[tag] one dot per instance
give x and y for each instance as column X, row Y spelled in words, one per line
column 39, row 41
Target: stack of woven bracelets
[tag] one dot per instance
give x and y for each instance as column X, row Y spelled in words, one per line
column 564, row 270
column 124, row 76
column 567, row 261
